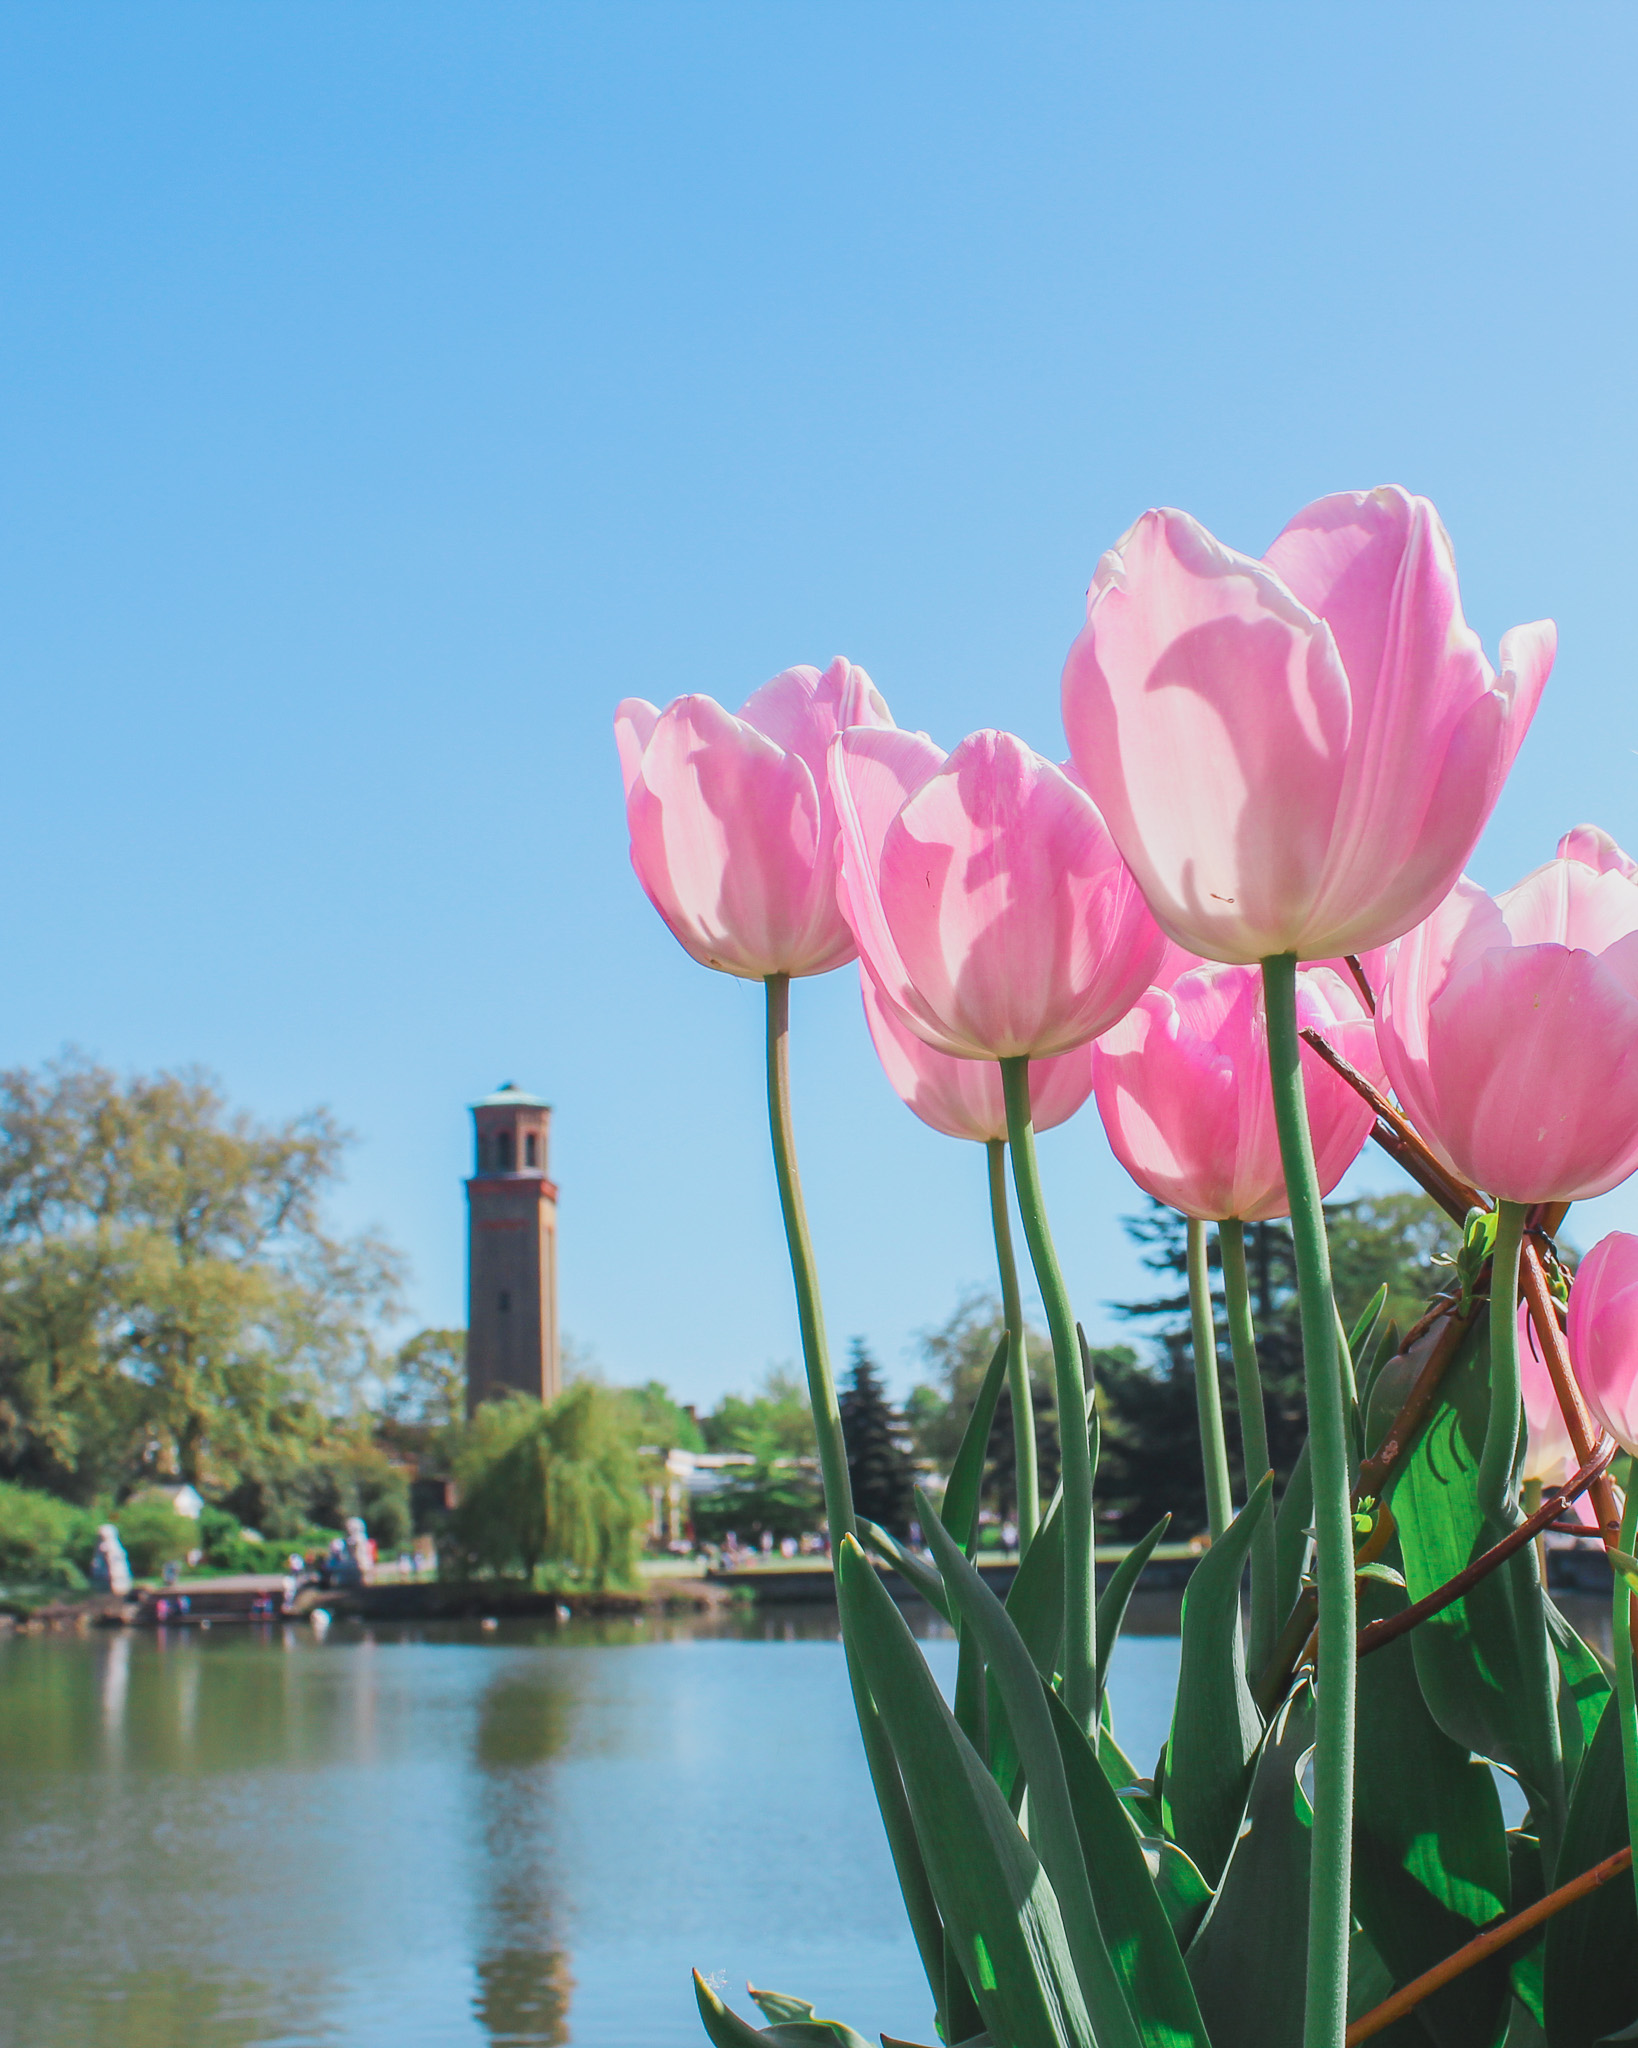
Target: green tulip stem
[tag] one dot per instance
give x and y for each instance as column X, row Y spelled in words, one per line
column 1208, row 1395
column 1080, row 1625
column 925, row 1921
column 1023, row 1408
column 827, row 1416
column 1621, row 1644
column 1501, row 1430
column 1248, row 1395
column 1325, row 2010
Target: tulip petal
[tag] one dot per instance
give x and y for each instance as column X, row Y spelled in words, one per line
column 872, row 774
column 1604, row 1334
column 634, row 722
column 726, row 837
column 802, row 710
column 1016, row 922
column 1532, row 1061
column 1566, row 903
column 1594, row 848
column 964, row 1098
column 1197, row 671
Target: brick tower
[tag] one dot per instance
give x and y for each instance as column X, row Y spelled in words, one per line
column 511, row 1307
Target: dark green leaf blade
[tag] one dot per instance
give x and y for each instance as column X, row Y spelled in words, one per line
column 1590, row 1974
column 1215, row 1723
column 1249, row 1962
column 1134, row 1917
column 967, row 1472
column 1052, row 1825
column 994, row 1897
column 1430, row 1863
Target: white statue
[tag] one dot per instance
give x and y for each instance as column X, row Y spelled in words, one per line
column 110, row 1567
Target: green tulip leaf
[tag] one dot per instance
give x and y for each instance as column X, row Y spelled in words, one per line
column 1430, row 1848
column 1584, row 1682
column 1590, row 1975
column 1215, row 1723
column 1249, row 1962
column 916, row 1572
column 1134, row 1910
column 998, row 1907
column 1291, row 1530
column 1483, row 1663
column 796, row 2029
column 967, row 1472
column 1053, row 1826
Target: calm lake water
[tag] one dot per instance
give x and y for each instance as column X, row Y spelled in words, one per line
column 447, row 1838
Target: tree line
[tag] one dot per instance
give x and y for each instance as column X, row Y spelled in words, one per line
column 175, row 1307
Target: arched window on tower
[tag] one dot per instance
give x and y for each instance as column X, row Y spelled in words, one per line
column 529, row 1149
column 503, row 1151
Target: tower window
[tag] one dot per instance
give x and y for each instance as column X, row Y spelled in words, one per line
column 505, row 1301
column 503, row 1151
column 529, row 1148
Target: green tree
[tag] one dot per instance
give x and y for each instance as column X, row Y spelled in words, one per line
column 171, row 1301
column 558, row 1486
column 957, row 1355
column 880, row 1470
column 1149, row 1461
column 773, row 1496
column 776, row 1422
column 658, row 1422
column 425, row 1383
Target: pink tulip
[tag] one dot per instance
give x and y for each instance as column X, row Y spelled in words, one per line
column 733, row 827
column 1295, row 755
column 1604, row 1334
column 989, row 903
column 1510, row 1031
column 1184, row 1092
column 962, row 1098
column 1549, row 1455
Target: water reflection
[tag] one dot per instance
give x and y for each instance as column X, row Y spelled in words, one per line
column 444, row 1838
column 523, row 1981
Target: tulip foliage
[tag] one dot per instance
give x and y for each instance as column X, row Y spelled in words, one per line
column 1237, row 920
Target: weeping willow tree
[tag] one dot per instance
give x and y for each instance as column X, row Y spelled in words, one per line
column 558, row 1486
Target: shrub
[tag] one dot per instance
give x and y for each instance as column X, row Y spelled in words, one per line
column 44, row 1541
column 155, row 1535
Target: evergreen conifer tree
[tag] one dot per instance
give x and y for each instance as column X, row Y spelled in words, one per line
column 879, row 1466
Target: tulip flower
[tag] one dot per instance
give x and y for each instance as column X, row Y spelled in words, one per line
column 733, row 826
column 1295, row 755
column 963, row 1098
column 990, row 905
column 1183, row 1089
column 1604, row 1335
column 1549, row 1454
column 1509, row 1028
column 996, row 918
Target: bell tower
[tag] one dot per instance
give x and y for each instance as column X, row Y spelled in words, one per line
column 511, row 1306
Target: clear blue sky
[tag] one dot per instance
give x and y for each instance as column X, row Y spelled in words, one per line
column 386, row 390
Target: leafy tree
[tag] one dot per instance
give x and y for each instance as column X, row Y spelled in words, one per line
column 658, row 1421
column 170, row 1298
column 314, row 1479
column 558, row 1485
column 776, row 1422
column 778, row 1497
column 959, row 1352
column 425, row 1385
column 879, row 1466
column 1150, row 1460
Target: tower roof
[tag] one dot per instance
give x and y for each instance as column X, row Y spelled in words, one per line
column 510, row 1096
